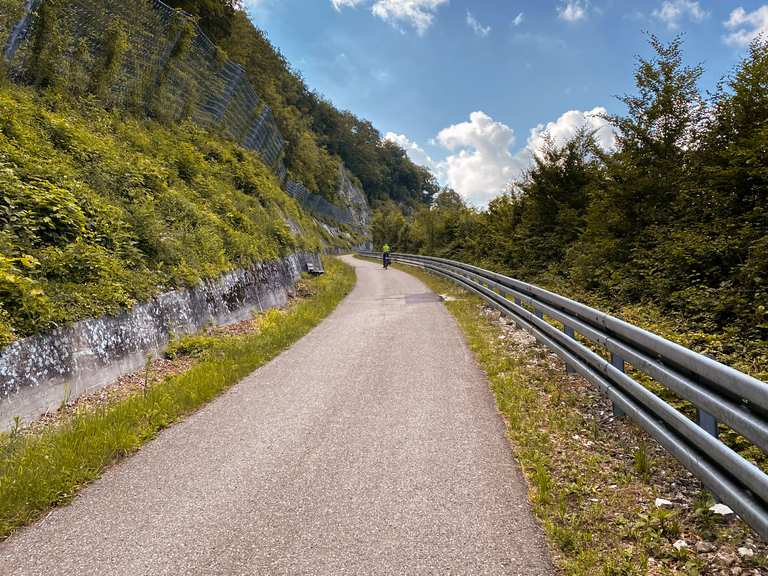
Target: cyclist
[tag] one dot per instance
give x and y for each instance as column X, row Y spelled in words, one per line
column 385, row 255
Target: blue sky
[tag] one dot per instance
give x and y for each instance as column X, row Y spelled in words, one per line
column 461, row 84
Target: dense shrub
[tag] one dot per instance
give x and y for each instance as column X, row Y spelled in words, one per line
column 10, row 12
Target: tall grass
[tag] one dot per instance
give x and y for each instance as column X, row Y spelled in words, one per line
column 42, row 470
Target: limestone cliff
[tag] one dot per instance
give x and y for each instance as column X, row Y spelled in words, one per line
column 354, row 199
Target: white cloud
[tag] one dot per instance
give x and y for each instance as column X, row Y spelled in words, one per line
column 339, row 4
column 414, row 151
column 746, row 26
column 476, row 27
column 573, row 10
column 673, row 11
column 568, row 125
column 518, row 19
column 383, row 77
column 416, row 13
column 482, row 163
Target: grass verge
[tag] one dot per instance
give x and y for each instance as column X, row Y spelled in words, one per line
column 41, row 470
column 593, row 479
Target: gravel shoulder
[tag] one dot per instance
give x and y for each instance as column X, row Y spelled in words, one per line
column 372, row 446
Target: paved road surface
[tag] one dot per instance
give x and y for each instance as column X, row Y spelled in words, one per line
column 372, row 446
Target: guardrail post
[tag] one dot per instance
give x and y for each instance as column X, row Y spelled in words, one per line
column 617, row 362
column 571, row 333
column 538, row 313
column 707, row 422
column 518, row 302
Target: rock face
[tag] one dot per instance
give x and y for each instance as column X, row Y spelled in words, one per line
column 40, row 372
column 354, row 199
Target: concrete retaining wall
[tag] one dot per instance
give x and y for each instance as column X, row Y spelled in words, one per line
column 39, row 372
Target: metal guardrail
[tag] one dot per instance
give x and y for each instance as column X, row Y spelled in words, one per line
column 720, row 394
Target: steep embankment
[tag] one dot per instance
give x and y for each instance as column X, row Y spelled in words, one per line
column 99, row 210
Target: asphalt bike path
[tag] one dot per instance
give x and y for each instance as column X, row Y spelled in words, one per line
column 372, row 446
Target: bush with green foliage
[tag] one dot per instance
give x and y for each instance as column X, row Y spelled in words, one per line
column 99, row 210
column 10, row 13
column 194, row 345
column 215, row 16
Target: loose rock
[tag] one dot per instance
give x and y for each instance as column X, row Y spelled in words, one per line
column 721, row 509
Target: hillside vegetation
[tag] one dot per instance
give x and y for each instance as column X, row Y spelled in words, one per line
column 317, row 134
column 113, row 51
column 110, row 194
column 10, row 12
column 671, row 228
column 100, row 210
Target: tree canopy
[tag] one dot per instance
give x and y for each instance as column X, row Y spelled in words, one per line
column 216, row 16
column 675, row 217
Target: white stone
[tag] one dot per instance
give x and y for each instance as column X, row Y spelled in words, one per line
column 680, row 545
column 704, row 547
column 745, row 552
column 663, row 503
column 721, row 509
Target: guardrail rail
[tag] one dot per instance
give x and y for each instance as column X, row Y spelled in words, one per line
column 721, row 394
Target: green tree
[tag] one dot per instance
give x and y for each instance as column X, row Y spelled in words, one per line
column 388, row 226
column 553, row 203
column 727, row 209
column 215, row 16
column 629, row 213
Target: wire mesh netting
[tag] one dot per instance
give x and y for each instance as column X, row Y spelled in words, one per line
column 317, row 204
column 148, row 57
column 11, row 13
